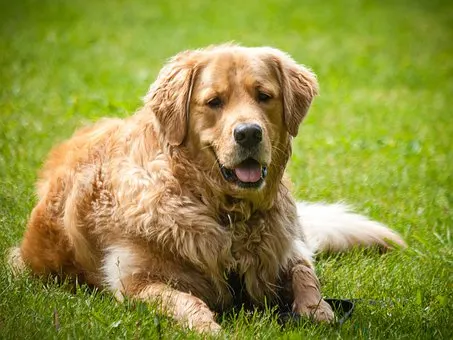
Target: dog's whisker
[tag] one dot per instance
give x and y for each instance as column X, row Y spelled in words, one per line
column 279, row 150
column 214, row 165
column 205, row 147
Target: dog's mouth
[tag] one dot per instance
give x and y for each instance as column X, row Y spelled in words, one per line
column 247, row 174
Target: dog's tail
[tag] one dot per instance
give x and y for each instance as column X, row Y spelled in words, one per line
column 335, row 228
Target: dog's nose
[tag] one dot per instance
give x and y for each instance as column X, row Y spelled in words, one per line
column 248, row 135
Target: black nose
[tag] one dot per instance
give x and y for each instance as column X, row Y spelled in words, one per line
column 248, row 135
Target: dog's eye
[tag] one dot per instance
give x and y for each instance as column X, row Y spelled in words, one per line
column 214, row 103
column 263, row 97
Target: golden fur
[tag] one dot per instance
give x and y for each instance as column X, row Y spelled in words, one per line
column 141, row 207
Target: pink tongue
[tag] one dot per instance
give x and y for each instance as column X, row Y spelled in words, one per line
column 249, row 174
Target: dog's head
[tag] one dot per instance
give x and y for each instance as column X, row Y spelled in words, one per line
column 234, row 109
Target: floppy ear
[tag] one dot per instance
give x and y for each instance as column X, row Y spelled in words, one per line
column 169, row 96
column 299, row 87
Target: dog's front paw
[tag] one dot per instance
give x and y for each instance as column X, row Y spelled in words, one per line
column 202, row 319
column 209, row 327
column 213, row 328
column 320, row 312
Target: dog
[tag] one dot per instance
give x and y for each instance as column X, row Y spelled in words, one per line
column 186, row 203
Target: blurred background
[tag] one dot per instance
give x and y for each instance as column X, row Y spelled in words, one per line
column 384, row 67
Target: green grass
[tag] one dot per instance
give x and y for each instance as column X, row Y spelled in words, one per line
column 380, row 137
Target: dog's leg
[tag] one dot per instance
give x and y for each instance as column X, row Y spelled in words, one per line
column 301, row 287
column 307, row 295
column 185, row 308
column 45, row 248
column 125, row 273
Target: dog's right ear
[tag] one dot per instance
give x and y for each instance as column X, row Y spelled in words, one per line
column 169, row 96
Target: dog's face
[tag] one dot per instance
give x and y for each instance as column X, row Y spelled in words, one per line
column 234, row 108
column 236, row 116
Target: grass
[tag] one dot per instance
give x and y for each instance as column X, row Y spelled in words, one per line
column 380, row 137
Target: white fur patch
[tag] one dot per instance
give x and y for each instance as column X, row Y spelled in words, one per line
column 334, row 227
column 303, row 251
column 119, row 263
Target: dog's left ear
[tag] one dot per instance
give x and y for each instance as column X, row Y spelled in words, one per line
column 169, row 96
column 299, row 87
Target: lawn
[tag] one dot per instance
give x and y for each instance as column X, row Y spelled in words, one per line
column 380, row 137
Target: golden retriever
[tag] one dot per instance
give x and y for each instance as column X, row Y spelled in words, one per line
column 186, row 198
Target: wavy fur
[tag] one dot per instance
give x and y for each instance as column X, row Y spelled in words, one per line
column 141, row 207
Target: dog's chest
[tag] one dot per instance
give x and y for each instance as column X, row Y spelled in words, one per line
column 246, row 238
column 257, row 254
column 253, row 238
